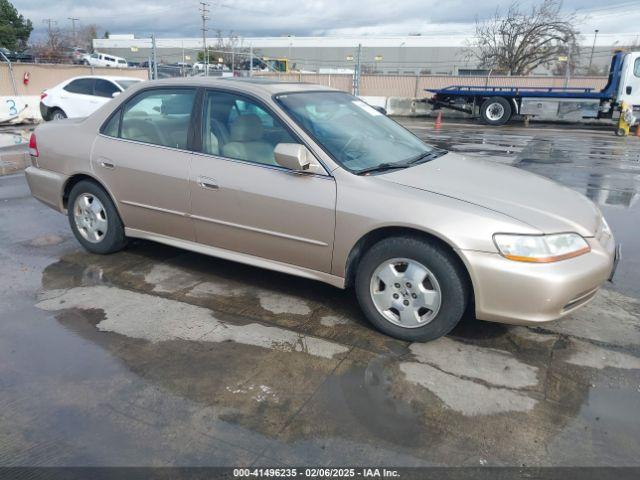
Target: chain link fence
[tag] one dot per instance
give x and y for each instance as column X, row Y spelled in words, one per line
column 344, row 74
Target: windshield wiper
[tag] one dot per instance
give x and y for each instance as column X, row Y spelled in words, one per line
column 383, row 167
column 425, row 156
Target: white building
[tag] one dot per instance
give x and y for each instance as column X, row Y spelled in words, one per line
column 427, row 54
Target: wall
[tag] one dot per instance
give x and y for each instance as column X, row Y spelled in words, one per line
column 43, row 76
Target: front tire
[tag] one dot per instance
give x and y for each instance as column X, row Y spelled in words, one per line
column 94, row 219
column 495, row 111
column 411, row 289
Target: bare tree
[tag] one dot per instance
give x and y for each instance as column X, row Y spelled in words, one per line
column 228, row 48
column 52, row 49
column 85, row 36
column 519, row 41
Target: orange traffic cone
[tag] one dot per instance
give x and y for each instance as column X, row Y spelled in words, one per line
column 638, row 130
column 438, row 123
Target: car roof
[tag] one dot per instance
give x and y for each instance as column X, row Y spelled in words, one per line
column 250, row 84
column 113, row 78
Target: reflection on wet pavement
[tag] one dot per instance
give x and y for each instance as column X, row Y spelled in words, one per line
column 159, row 356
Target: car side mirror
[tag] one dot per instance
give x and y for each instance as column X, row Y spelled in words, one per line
column 115, row 94
column 382, row 110
column 295, row 157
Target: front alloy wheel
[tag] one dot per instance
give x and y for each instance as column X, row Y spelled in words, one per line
column 412, row 288
column 405, row 292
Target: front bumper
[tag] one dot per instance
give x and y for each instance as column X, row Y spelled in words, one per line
column 46, row 186
column 527, row 293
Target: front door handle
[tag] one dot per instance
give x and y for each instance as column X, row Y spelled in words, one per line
column 207, row 183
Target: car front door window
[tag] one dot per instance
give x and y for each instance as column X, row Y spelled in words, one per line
column 238, row 128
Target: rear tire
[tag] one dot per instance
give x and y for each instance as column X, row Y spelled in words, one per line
column 57, row 114
column 94, row 219
column 419, row 302
column 496, row 111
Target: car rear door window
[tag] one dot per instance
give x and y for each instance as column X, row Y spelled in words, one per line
column 82, row 86
column 159, row 117
column 105, row 88
column 236, row 127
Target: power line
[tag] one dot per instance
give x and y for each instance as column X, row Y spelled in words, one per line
column 50, row 22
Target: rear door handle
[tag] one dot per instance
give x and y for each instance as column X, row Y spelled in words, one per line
column 207, row 183
column 108, row 165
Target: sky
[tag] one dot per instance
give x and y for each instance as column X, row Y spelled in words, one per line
column 181, row 18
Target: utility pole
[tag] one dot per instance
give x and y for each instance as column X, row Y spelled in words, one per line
column 73, row 27
column 154, row 56
column 356, row 73
column 251, row 60
column 593, row 47
column 50, row 22
column 204, row 13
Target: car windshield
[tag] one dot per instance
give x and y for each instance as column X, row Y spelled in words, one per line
column 356, row 135
column 126, row 83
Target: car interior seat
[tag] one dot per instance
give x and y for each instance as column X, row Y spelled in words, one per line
column 246, row 141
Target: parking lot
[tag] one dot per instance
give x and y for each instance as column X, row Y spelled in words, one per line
column 157, row 356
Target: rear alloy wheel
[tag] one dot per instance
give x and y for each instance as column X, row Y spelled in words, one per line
column 94, row 219
column 411, row 288
column 58, row 114
column 495, row 111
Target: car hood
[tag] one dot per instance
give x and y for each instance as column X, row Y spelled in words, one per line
column 529, row 198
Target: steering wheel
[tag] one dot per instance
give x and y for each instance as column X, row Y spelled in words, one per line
column 354, row 145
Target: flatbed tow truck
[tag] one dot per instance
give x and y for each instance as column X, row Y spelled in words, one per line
column 498, row 105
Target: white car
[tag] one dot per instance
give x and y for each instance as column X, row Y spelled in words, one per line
column 81, row 96
column 105, row 60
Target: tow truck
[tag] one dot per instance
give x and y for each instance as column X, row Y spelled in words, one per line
column 498, row 105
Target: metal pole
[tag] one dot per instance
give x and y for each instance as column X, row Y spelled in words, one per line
column 567, row 76
column 593, row 47
column 13, row 79
column 73, row 28
column 205, row 53
column 154, row 56
column 251, row 60
column 233, row 59
column 356, row 74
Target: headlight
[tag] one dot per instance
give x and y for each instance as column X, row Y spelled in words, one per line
column 541, row 248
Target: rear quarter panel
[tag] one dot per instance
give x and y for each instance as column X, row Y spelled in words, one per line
column 65, row 146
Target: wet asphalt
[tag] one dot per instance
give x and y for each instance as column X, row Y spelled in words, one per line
column 156, row 356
